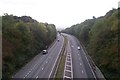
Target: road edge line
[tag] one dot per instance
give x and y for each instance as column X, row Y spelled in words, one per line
column 55, row 63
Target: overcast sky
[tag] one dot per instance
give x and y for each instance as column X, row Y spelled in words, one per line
column 62, row 13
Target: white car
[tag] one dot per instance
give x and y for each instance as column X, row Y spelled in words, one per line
column 44, row 51
column 78, row 47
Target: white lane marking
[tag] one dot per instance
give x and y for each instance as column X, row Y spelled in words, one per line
column 80, row 64
column 68, row 70
column 46, row 61
column 42, row 68
column 34, row 66
column 67, row 77
column 68, row 61
column 25, row 76
column 68, row 65
column 82, row 71
column 55, row 61
column 30, row 71
column 78, row 53
column 36, row 77
column 72, row 46
column 89, row 64
column 27, row 73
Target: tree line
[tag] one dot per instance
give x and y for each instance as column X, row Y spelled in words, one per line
column 22, row 39
column 100, row 36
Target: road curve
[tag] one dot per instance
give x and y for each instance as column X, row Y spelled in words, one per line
column 81, row 66
column 41, row 66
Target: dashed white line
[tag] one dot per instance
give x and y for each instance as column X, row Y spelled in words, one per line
column 55, row 62
column 89, row 64
column 82, row 71
column 30, row 71
column 72, row 46
column 80, row 64
column 27, row 73
column 25, row 76
column 42, row 68
column 36, row 77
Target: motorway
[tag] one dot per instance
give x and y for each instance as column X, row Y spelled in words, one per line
column 81, row 66
column 42, row 66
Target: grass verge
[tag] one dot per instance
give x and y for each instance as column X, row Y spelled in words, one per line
column 60, row 70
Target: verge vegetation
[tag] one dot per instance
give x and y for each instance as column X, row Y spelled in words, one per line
column 60, row 70
column 100, row 37
column 22, row 39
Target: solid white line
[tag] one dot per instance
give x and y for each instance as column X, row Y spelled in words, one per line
column 89, row 63
column 36, row 64
column 71, row 62
column 71, row 71
column 55, row 61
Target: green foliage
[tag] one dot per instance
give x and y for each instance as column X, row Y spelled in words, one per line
column 22, row 39
column 100, row 36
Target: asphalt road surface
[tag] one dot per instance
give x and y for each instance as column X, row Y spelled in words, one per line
column 42, row 65
column 81, row 66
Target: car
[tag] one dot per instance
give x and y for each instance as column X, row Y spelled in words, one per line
column 44, row 51
column 78, row 48
column 58, row 40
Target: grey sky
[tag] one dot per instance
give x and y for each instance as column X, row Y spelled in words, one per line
column 62, row 13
